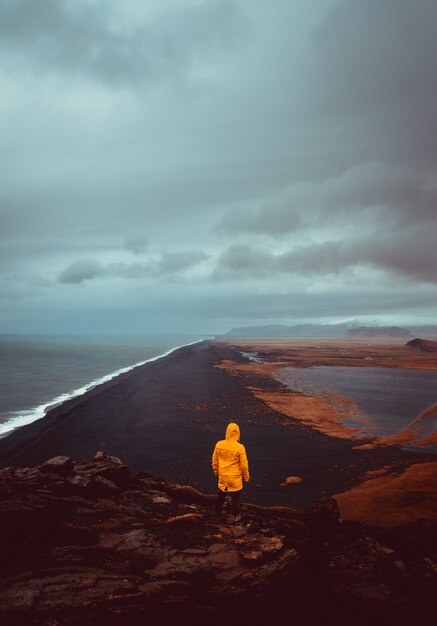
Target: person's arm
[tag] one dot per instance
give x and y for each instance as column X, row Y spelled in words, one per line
column 244, row 464
column 215, row 461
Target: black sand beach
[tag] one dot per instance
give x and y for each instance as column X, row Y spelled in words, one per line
column 165, row 417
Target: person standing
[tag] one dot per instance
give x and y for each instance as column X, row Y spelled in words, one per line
column 230, row 465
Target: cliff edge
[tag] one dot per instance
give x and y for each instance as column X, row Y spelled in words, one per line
column 88, row 542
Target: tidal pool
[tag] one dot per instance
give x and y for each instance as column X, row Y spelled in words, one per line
column 390, row 399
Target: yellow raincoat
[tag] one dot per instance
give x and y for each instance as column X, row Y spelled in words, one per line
column 229, row 461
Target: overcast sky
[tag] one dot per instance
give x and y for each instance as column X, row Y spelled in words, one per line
column 194, row 165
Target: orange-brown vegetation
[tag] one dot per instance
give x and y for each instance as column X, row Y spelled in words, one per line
column 384, row 497
column 291, row 480
column 328, row 413
column 392, row 499
column 312, row 411
column 359, row 352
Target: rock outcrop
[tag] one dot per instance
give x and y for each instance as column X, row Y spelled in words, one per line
column 424, row 345
column 89, row 543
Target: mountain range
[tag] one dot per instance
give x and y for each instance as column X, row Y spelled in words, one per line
column 326, row 330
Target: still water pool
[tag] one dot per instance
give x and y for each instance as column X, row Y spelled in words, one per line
column 389, row 398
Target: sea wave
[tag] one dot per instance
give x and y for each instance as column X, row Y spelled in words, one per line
column 27, row 416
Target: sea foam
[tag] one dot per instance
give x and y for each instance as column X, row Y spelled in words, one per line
column 27, row 416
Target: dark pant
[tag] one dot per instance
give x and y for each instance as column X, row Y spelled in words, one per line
column 235, row 501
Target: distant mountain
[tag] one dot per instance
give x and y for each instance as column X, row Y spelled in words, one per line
column 299, row 330
column 378, row 331
column 348, row 329
column 429, row 330
column 424, row 345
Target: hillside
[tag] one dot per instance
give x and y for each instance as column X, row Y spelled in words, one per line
column 424, row 345
column 89, row 543
column 329, row 330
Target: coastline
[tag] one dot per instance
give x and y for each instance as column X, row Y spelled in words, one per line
column 28, row 416
column 329, row 410
column 395, row 488
column 164, row 418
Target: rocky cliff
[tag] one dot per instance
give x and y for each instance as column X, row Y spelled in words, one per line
column 89, row 543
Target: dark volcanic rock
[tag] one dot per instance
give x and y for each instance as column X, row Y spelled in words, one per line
column 96, row 544
column 58, row 465
column 424, row 345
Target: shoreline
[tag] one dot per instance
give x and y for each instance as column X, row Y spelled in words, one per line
column 165, row 417
column 331, row 411
column 23, row 417
column 383, row 495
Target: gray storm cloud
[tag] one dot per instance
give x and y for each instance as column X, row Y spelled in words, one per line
column 172, row 262
column 410, row 255
column 160, row 266
column 373, row 61
column 387, row 217
column 86, row 39
column 369, row 190
column 137, row 245
column 81, row 270
column 216, row 160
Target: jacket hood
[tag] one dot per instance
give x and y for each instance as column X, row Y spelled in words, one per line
column 233, row 432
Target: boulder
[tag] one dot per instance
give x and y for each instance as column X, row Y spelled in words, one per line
column 87, row 542
column 58, row 465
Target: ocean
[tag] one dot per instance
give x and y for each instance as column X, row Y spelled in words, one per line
column 37, row 372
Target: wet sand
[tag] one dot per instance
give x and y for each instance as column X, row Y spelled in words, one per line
column 331, row 412
column 326, row 413
column 165, row 417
